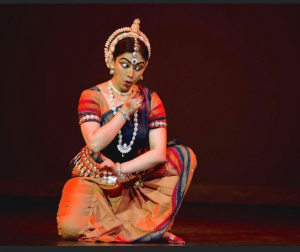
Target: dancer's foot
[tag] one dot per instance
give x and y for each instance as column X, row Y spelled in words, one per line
column 169, row 237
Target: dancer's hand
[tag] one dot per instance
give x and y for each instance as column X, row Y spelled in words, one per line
column 108, row 164
column 133, row 102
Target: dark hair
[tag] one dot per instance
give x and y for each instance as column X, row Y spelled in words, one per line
column 127, row 45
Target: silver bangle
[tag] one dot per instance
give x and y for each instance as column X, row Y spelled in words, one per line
column 125, row 115
column 119, row 169
column 119, row 174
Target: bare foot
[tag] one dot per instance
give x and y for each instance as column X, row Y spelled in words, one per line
column 169, row 237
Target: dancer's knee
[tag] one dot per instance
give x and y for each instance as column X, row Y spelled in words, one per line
column 70, row 227
column 74, row 208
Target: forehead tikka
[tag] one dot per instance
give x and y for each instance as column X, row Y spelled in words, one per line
column 134, row 32
column 134, row 54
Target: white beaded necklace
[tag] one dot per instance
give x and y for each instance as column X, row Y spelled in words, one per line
column 123, row 148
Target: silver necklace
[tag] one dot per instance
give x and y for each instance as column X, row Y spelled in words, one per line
column 123, row 148
column 118, row 92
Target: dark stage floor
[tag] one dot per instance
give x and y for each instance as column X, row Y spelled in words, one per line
column 30, row 221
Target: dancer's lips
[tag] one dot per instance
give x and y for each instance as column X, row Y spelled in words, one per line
column 127, row 82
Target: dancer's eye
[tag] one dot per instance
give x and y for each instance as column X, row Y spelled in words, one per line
column 124, row 65
column 139, row 68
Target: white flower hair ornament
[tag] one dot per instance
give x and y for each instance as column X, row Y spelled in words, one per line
column 133, row 32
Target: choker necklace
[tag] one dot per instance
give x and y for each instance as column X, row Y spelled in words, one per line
column 123, row 148
column 118, row 92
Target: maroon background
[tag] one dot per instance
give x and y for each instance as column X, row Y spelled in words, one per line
column 228, row 75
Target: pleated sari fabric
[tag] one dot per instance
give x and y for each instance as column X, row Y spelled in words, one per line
column 142, row 207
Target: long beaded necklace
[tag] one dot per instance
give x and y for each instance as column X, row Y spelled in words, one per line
column 123, row 148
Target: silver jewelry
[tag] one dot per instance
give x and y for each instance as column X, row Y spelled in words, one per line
column 123, row 148
column 118, row 92
column 87, row 167
column 125, row 115
column 119, row 173
column 88, row 117
column 112, row 71
column 134, row 54
column 119, row 169
column 158, row 124
column 125, row 32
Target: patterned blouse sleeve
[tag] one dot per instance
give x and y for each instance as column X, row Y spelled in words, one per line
column 157, row 118
column 88, row 108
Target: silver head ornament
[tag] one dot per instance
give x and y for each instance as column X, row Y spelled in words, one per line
column 133, row 32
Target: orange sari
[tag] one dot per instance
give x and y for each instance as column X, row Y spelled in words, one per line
column 139, row 209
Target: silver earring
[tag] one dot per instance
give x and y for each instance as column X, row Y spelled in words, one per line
column 112, row 71
column 141, row 78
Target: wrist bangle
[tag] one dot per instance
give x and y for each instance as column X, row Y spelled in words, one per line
column 124, row 114
column 119, row 169
column 119, row 174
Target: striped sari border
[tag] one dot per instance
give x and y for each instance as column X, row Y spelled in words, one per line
column 177, row 196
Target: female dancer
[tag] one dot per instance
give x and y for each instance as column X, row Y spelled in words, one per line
column 127, row 183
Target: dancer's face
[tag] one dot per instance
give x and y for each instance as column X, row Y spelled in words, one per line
column 126, row 73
